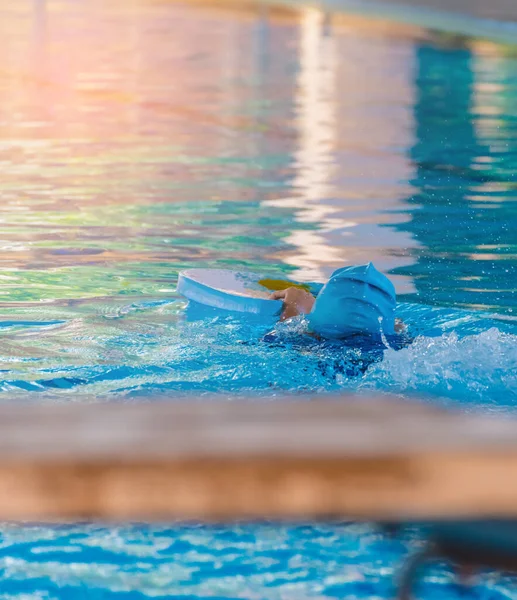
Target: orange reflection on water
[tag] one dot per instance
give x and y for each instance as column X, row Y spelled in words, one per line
column 108, row 109
column 346, row 86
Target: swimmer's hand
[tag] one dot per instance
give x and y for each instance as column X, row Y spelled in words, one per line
column 296, row 302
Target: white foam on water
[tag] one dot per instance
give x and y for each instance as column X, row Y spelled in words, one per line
column 479, row 368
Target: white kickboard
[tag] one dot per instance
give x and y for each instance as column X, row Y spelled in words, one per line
column 230, row 290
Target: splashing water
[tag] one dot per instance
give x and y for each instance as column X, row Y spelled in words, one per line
column 161, row 347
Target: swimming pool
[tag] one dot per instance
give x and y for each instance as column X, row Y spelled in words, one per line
column 137, row 139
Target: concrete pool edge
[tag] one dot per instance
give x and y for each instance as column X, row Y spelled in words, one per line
column 426, row 16
column 362, row 457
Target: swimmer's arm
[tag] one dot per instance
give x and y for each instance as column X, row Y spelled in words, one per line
column 296, row 302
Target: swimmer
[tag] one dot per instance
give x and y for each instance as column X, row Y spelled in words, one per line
column 356, row 300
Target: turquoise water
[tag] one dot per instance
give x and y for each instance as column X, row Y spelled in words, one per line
column 139, row 138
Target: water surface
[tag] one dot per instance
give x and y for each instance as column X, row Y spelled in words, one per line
column 139, row 139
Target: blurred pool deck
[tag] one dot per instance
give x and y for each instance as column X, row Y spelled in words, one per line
column 503, row 10
column 360, row 457
column 495, row 21
column 498, row 10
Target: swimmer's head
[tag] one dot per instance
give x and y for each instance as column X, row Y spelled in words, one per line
column 355, row 300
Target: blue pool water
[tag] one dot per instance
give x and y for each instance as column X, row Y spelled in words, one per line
column 139, row 138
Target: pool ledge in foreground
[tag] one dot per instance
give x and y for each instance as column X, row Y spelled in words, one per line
column 353, row 457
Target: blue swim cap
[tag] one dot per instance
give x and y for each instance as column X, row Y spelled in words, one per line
column 355, row 300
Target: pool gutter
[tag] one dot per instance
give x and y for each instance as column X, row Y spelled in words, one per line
column 463, row 18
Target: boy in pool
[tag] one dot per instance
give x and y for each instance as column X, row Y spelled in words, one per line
column 356, row 300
